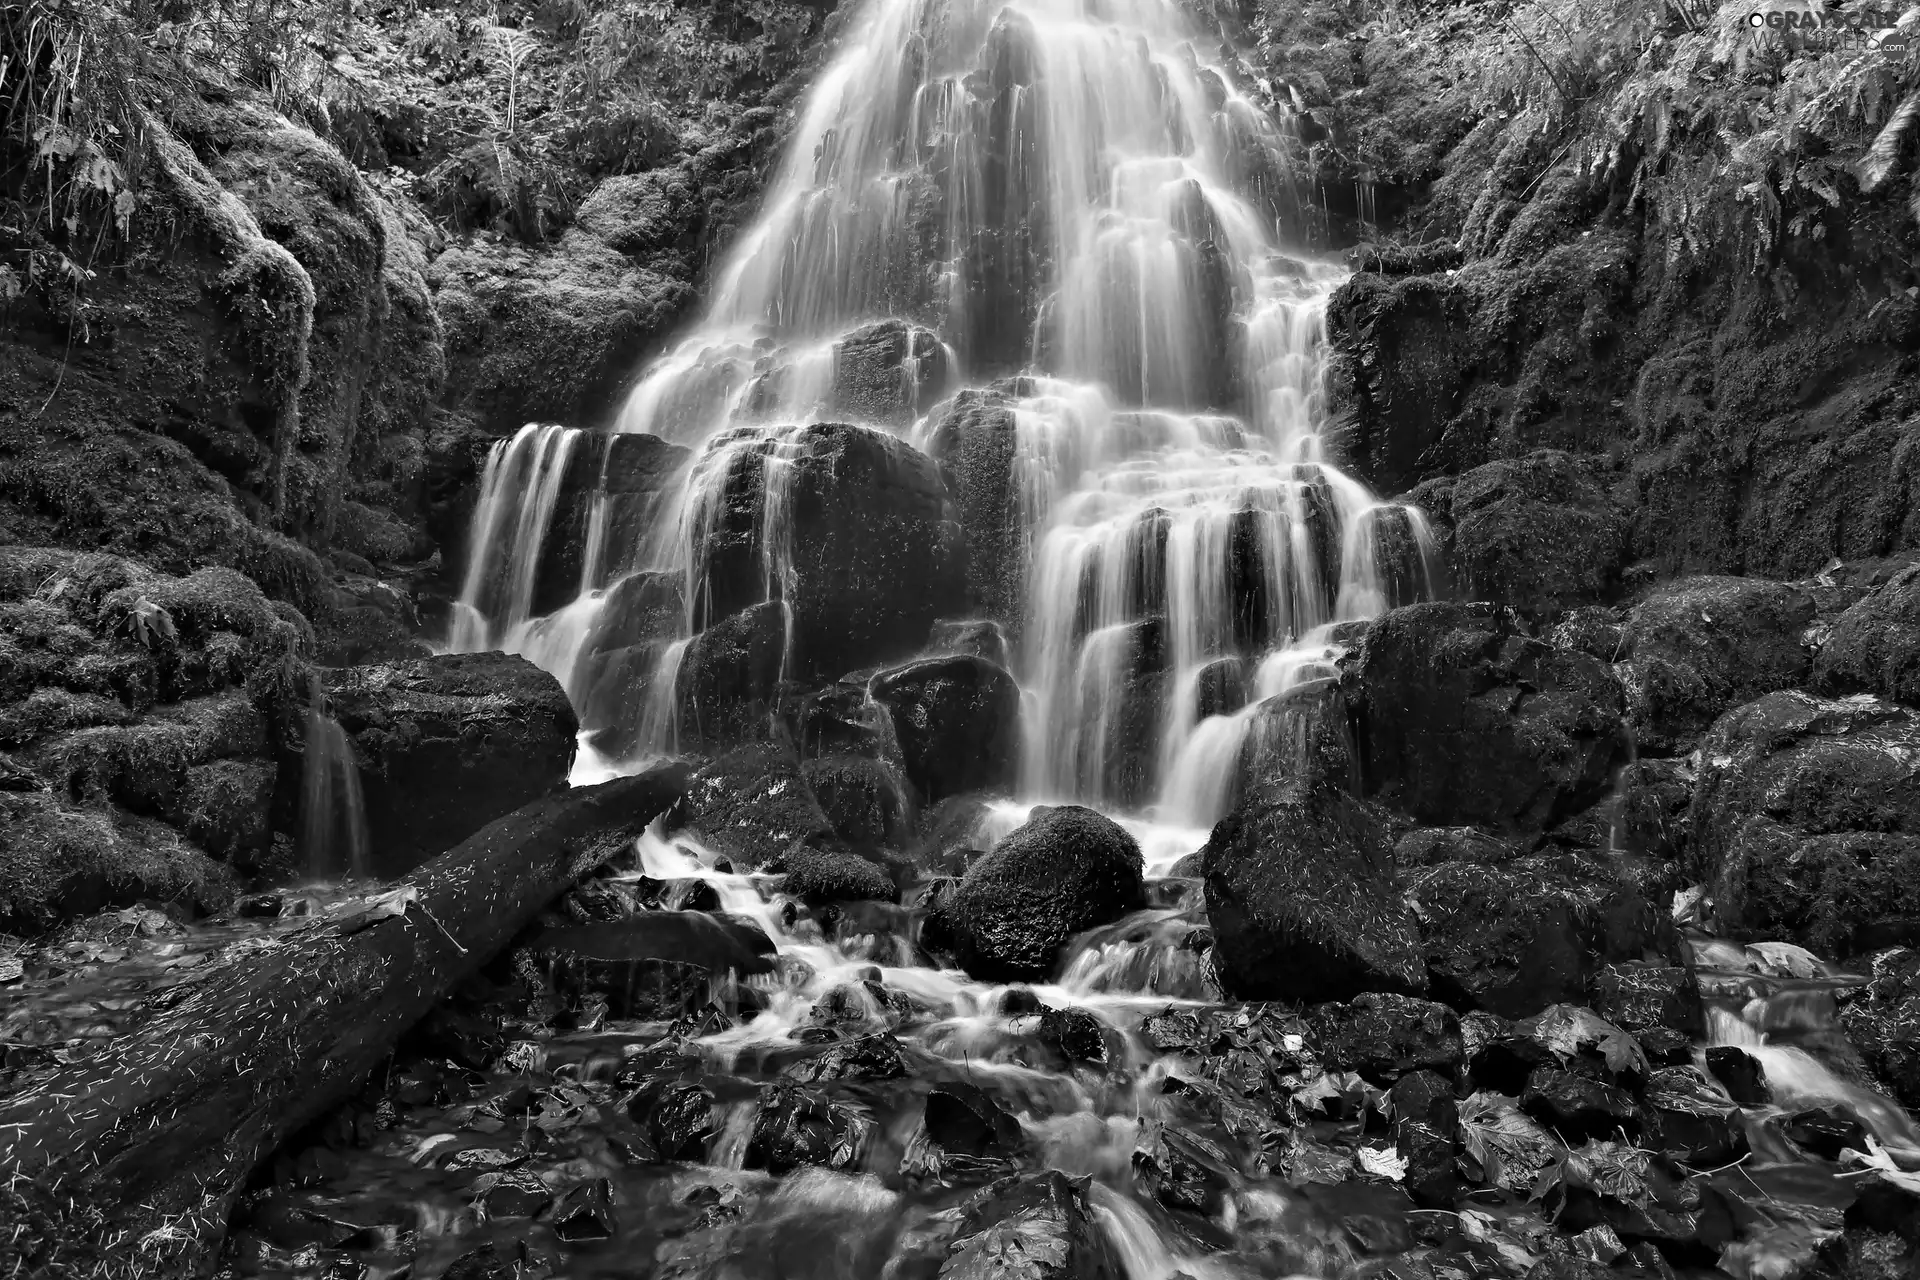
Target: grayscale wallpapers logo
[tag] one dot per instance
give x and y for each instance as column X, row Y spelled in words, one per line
column 1874, row 28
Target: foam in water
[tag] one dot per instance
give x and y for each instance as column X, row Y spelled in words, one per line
column 1078, row 195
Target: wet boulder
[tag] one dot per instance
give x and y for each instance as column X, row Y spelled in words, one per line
column 1874, row 646
column 1541, row 531
column 628, row 476
column 861, row 797
column 1426, row 1126
column 974, row 438
column 888, row 372
column 817, row 876
column 963, row 1119
column 1300, row 895
column 971, row 637
column 796, row 1126
column 1697, row 647
column 724, row 693
column 1578, row 1105
column 1806, row 822
column 1636, row 996
column 1468, row 719
column 1515, row 938
column 1066, row 870
column 1182, row 1169
column 1883, row 1022
column 677, row 1117
column 1740, row 1074
column 751, row 805
column 1690, row 1119
column 621, row 654
column 447, row 744
column 870, row 547
column 1031, row 1227
column 957, row 720
column 1382, row 1036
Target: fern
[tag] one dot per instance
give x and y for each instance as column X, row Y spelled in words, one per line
column 1881, row 158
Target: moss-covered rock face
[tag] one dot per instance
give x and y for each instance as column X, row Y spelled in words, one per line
column 144, row 725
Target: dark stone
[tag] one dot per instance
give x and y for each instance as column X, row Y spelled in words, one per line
column 1300, row 894
column 472, row 1039
column 1426, row 1125
column 1699, row 646
column 974, row 438
column 728, row 677
column 973, row 638
column 1080, row 1036
column 1220, row 688
column 1015, row 1001
column 1468, row 719
column 1806, row 822
column 874, row 1057
column 961, row 1118
column 635, row 472
column 1516, row 938
column 751, row 805
column 445, row 745
column 1637, row 996
column 1066, row 870
column 677, row 1117
column 861, row 797
column 585, row 1212
column 484, row 1263
column 511, row 1193
column 796, row 1127
column 1428, row 846
column 1578, row 1106
column 1031, row 1227
column 957, row 720
column 1741, row 1074
column 656, row 964
column 817, row 876
column 875, row 546
column 1691, row 1120
column 258, row 906
column 1538, row 531
column 1182, row 1170
column 1826, row 1131
column 1382, row 1036
column 1882, row 1021
column 642, row 613
column 888, row 372
column 1874, row 646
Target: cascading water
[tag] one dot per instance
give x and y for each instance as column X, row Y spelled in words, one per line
column 1074, row 209
column 333, row 817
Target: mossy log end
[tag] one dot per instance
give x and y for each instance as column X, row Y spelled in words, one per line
column 132, row 1160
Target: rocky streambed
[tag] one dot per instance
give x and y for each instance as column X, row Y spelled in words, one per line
column 691, row 1070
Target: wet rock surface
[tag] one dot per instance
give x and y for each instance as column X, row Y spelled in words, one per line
column 1804, row 821
column 1067, row 869
column 1468, row 718
column 445, row 745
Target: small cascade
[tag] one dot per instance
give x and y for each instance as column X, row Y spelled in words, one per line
column 333, row 816
column 1800, row 1080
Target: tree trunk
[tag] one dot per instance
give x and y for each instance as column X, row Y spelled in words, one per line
column 129, row 1163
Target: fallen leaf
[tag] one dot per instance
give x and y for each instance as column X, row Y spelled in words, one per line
column 1382, row 1162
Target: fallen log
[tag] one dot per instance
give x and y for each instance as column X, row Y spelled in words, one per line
column 129, row 1163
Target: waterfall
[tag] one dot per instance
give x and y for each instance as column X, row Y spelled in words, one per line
column 1075, row 211
column 333, row 816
